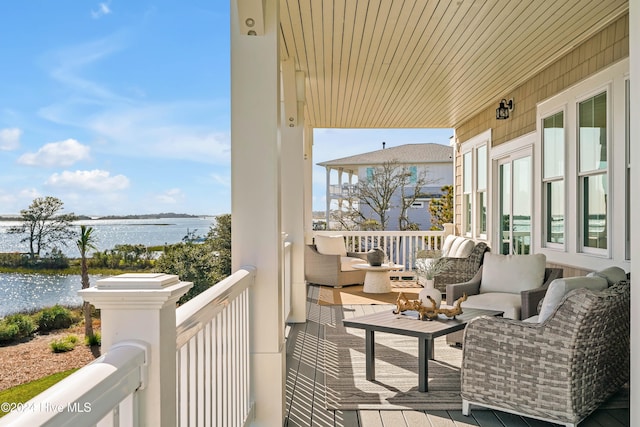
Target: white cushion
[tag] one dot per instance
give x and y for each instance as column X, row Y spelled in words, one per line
column 508, row 303
column 464, row 249
column 532, row 319
column 559, row 287
column 611, row 274
column 446, row 246
column 457, row 246
column 346, row 263
column 331, row 245
column 512, row 273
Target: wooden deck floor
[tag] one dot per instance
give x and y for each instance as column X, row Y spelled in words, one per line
column 305, row 404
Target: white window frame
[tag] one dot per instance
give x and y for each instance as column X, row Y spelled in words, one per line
column 582, row 175
column 612, row 79
column 506, row 153
column 546, row 180
column 471, row 147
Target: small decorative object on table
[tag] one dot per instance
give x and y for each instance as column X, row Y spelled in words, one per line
column 430, row 313
column 428, row 268
column 375, row 257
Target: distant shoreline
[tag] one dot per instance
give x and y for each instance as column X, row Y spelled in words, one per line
column 111, row 217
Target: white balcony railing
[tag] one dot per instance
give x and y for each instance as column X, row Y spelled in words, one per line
column 400, row 246
column 102, row 393
column 213, row 367
column 198, row 353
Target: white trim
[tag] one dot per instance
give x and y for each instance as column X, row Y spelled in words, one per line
column 471, row 146
column 508, row 152
column 611, row 80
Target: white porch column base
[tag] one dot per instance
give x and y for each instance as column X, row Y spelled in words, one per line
column 271, row 368
column 142, row 307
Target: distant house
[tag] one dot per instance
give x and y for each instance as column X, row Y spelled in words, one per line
column 434, row 160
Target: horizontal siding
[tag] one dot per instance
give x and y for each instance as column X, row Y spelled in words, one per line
column 605, row 48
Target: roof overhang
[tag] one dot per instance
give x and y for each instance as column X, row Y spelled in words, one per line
column 426, row 64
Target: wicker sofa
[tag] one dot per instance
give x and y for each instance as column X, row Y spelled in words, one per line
column 464, row 257
column 559, row 370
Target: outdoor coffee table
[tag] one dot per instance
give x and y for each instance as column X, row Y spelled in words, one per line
column 407, row 323
column 376, row 279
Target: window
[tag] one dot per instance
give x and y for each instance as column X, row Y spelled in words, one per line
column 627, row 137
column 369, row 174
column 466, row 192
column 553, row 143
column 481, row 191
column 413, row 170
column 592, row 171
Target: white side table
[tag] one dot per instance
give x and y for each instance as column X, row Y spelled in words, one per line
column 377, row 280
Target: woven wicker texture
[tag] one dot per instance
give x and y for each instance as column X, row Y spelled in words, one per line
column 559, row 370
column 460, row 269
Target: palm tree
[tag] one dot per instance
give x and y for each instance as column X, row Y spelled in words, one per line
column 85, row 243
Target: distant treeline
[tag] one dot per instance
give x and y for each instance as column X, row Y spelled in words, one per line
column 143, row 216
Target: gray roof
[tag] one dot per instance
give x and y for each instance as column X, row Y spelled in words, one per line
column 408, row 153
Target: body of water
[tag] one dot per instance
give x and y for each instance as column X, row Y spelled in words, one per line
column 109, row 233
column 20, row 292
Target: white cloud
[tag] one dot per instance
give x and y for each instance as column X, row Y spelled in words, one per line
column 61, row 154
column 172, row 196
column 94, row 180
column 224, row 180
column 9, row 139
column 103, row 9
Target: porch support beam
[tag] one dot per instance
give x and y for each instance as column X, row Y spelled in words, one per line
column 308, row 184
column 293, row 186
column 634, row 72
column 255, row 201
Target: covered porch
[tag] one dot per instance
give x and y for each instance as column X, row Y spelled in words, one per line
column 229, row 357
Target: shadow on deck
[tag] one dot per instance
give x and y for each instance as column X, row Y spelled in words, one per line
column 305, row 390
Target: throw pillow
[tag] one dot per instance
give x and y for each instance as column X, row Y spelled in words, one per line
column 446, row 246
column 611, row 274
column 331, row 245
column 512, row 273
column 559, row 288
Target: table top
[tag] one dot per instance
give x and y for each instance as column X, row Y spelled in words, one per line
column 407, row 322
column 383, row 267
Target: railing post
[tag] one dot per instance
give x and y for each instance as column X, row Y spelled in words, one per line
column 143, row 307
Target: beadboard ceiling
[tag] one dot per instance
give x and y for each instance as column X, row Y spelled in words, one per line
column 412, row 63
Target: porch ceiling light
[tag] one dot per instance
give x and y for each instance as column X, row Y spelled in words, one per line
column 502, row 112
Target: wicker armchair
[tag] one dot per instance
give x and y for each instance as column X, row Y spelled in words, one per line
column 559, row 370
column 327, row 270
column 460, row 269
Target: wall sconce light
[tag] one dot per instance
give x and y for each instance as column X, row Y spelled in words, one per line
column 502, row 112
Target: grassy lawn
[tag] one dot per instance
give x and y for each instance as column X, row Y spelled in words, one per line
column 24, row 392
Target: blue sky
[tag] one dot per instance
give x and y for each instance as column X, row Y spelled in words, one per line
column 122, row 107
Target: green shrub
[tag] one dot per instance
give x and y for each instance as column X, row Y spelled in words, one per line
column 56, row 317
column 93, row 340
column 62, row 345
column 8, row 332
column 24, row 323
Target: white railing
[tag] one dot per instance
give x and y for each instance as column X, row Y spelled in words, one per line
column 188, row 366
column 399, row 246
column 103, row 393
column 212, row 355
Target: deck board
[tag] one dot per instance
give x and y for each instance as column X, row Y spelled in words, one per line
column 305, row 391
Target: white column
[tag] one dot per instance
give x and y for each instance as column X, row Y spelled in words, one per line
column 308, row 185
column 255, row 200
column 634, row 56
column 292, row 169
column 143, row 307
column 327, row 193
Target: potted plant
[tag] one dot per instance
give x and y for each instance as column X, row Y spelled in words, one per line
column 428, row 268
